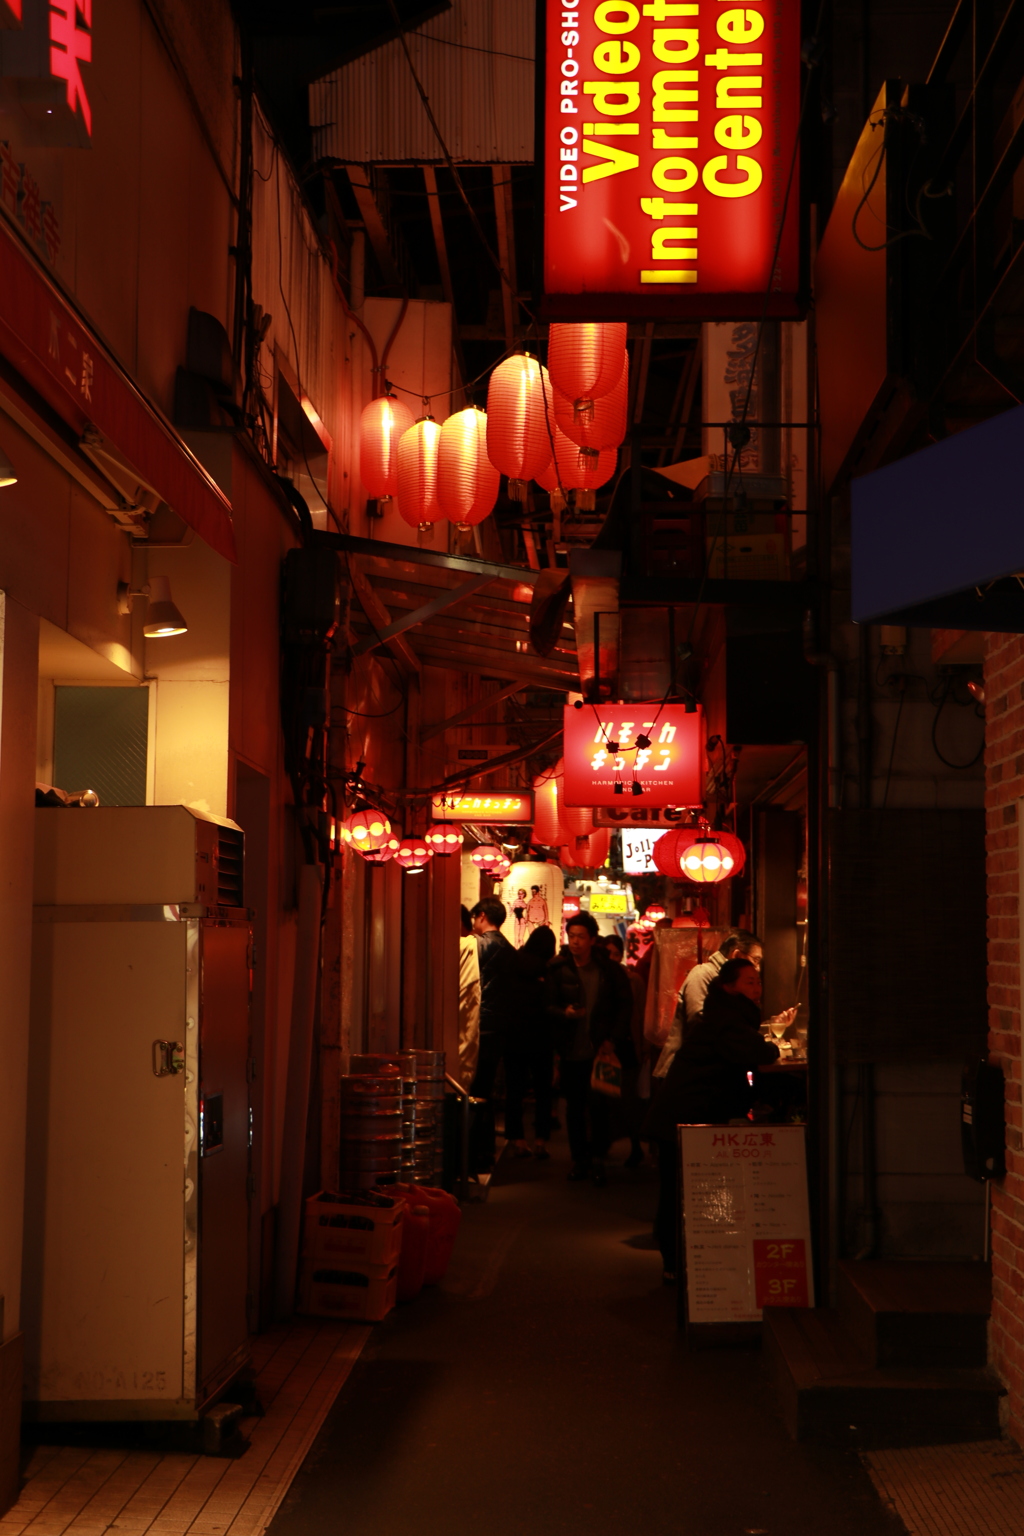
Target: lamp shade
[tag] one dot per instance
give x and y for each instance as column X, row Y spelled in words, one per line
column 706, row 861
column 380, row 426
column 467, row 481
column 413, row 854
column 444, row 838
column 587, row 852
column 487, row 857
column 366, row 830
column 605, row 425
column 417, row 474
column 547, row 828
column 585, row 360
column 518, row 404
column 162, row 617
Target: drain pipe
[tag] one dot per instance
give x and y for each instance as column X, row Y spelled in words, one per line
column 816, row 658
column 296, row 1107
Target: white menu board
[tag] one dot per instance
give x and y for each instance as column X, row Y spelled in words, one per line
column 745, row 1221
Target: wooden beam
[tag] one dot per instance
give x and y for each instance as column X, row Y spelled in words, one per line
column 437, row 225
column 480, row 707
column 359, row 177
column 420, row 615
column 379, row 618
column 641, row 364
column 501, row 178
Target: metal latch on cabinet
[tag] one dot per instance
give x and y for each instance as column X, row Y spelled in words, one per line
column 168, row 1058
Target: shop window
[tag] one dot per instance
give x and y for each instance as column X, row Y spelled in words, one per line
column 100, row 738
column 303, row 445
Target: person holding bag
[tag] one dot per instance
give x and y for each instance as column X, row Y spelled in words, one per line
column 590, row 1004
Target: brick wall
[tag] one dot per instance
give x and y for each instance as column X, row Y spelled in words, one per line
column 1004, row 787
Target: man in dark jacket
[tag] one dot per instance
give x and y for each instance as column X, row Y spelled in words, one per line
column 498, row 976
column 707, row 1082
column 590, row 1003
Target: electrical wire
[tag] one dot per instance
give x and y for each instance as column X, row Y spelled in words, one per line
column 935, row 727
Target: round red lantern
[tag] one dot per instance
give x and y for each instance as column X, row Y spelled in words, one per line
column 417, row 474
column 654, row 913
column 502, row 868
column 667, row 850
column 577, row 469
column 366, row 830
column 547, row 827
column 486, row 857
column 413, row 854
column 575, row 820
column 605, row 426
column 380, row 426
column 587, row 852
column 585, row 361
column 444, row 838
column 736, row 848
column 467, row 481
column 706, row 861
column 519, row 401
column 387, row 850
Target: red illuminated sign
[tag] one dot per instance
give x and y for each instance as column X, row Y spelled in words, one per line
column 41, row 70
column 498, row 807
column 780, row 1273
column 10, row 13
column 661, row 746
column 670, row 130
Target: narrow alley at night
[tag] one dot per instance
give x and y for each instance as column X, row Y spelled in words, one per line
column 512, row 640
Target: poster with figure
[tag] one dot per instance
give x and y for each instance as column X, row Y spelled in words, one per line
column 532, row 895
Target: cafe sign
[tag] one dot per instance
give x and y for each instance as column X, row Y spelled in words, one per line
column 610, row 747
column 669, row 137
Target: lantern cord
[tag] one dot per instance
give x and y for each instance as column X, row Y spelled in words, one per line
column 400, row 26
column 439, row 392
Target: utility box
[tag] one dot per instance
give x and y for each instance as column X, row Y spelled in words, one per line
column 137, row 1210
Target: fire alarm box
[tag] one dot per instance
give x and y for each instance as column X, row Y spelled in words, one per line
column 983, row 1121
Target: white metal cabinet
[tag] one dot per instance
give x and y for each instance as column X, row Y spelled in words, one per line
column 137, row 1189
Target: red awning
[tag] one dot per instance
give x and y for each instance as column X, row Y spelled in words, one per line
column 47, row 342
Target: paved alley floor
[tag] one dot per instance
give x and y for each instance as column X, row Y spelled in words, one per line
column 544, row 1389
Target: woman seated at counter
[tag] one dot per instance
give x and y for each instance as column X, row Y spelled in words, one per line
column 707, row 1083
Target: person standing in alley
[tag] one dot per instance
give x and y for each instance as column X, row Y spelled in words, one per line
column 497, row 995
column 736, row 945
column 590, row 1003
column 469, row 1001
column 529, row 1052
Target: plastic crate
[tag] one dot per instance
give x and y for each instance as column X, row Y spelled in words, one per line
column 361, row 1292
column 339, row 1231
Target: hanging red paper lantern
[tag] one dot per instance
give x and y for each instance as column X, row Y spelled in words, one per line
column 739, row 853
column 547, row 827
column 366, row 830
column 413, row 854
column 519, row 401
column 417, row 474
column 654, row 913
column 605, row 426
column 585, row 361
column 667, row 850
column 586, row 852
column 444, row 838
column 706, row 861
column 575, row 821
column 576, row 472
column 387, row 850
column 380, row 426
column 486, row 857
column 502, row 868
column 467, row 481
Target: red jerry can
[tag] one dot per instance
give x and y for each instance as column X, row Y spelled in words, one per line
column 413, row 1258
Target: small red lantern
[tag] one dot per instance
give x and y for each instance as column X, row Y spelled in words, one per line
column 467, row 481
column 380, row 426
column 577, row 469
column 605, row 426
column 547, row 826
column 413, row 854
column 667, row 851
column 587, row 852
column 444, row 838
column 502, row 868
column 585, row 361
column 366, row 830
column 575, row 821
column 486, row 857
column 654, row 913
column 417, row 474
column 519, row 403
column 705, row 860
column 387, row 850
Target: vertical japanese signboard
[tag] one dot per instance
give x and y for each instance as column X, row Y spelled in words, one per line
column 41, row 71
column 745, row 1221
column 669, row 139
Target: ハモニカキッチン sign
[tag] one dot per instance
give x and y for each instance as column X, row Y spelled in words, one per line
column 669, row 143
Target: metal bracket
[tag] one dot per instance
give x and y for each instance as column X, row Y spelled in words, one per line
column 168, row 1058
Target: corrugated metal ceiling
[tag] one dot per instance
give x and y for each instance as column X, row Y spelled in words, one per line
column 476, row 62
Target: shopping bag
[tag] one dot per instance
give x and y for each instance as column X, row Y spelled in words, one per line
column 606, row 1073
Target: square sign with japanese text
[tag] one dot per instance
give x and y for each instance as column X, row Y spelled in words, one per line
column 658, row 746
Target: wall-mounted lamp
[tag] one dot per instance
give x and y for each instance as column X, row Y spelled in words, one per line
column 162, row 617
column 8, row 475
